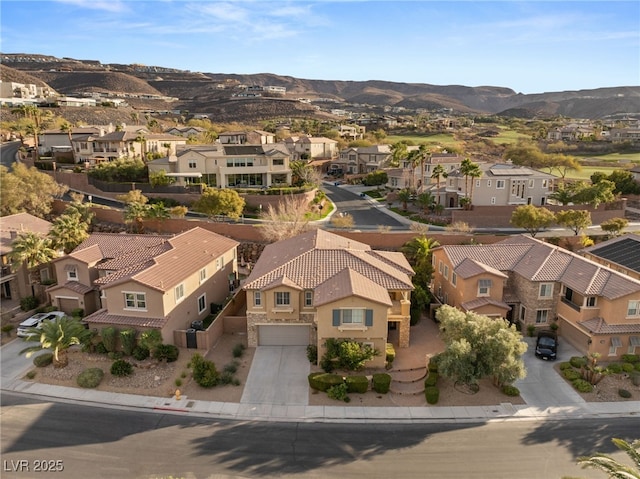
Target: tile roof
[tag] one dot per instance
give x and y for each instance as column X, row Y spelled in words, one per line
column 469, row 268
column 479, row 302
column 19, row 223
column 600, row 326
column 539, row 261
column 314, row 257
column 74, row 286
column 349, row 283
column 102, row 316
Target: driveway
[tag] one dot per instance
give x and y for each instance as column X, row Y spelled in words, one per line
column 278, row 376
column 544, row 387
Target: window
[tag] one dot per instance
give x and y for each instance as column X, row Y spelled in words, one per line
column 257, row 298
column 44, row 275
column 454, row 278
column 500, row 184
column 531, row 183
column 220, row 263
column 484, row 287
column 202, row 303
column 278, row 162
column 282, row 298
column 488, row 183
column 179, row 292
column 446, row 271
column 591, row 301
column 634, row 308
column 440, row 267
column 541, row 316
column 135, row 301
column 546, row 290
column 193, row 164
column 493, row 200
column 615, row 344
column 72, row 274
column 634, row 342
column 523, row 313
column 203, row 275
column 308, row 299
column 477, row 183
column 353, row 317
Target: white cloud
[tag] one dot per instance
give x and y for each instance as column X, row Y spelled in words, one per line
column 113, row 6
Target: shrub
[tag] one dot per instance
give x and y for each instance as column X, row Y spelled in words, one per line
column 7, row 328
column 204, row 371
column 627, row 367
column 115, row 355
column 28, row 303
column 415, row 314
column 101, row 348
column 431, row 380
column 324, row 381
column 121, row 368
column 312, row 353
column 578, row 361
column 313, row 383
column 357, row 384
column 226, row 377
column 571, row 374
column 167, row 352
column 615, row 368
column 238, row 350
column 381, row 383
column 327, row 364
column 637, row 367
column 141, row 353
column 90, row 378
column 339, row 392
column 178, row 382
column 150, row 339
column 432, row 394
column 631, row 358
column 109, row 338
column 582, row 386
column 433, row 363
column 565, row 365
column 31, row 374
column 231, row 368
column 623, row 393
column 531, row 329
column 43, row 360
column 510, row 390
column 128, row 341
column 77, row 313
column 346, row 354
column 390, row 353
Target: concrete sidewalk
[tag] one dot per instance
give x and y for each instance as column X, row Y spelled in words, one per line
column 260, row 408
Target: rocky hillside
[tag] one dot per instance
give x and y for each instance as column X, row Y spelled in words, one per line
column 213, row 93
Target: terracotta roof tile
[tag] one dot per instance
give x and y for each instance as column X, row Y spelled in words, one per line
column 350, row 283
column 74, row 286
column 102, row 316
column 600, row 326
column 479, row 302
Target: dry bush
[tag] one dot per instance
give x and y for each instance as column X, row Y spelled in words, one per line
column 286, row 220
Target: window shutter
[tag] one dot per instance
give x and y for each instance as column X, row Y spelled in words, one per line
column 336, row 317
column 368, row 317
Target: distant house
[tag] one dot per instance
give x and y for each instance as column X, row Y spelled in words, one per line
column 19, row 283
column 635, row 171
column 362, row 160
column 254, row 137
column 228, row 166
column 186, row 131
column 311, row 148
column 536, row 284
column 146, row 281
column 621, row 254
column 318, row 285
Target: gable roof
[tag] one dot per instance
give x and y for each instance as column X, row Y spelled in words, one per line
column 539, row 261
column 20, row 223
column 318, row 258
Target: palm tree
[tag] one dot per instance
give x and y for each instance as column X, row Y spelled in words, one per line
column 158, row 211
column 135, row 214
column 143, row 145
column 68, row 231
column 419, row 249
column 404, row 195
column 67, row 128
column 58, row 335
column 437, row 173
column 423, row 153
column 31, row 250
column 474, row 172
column 613, row 468
column 426, row 200
column 414, row 159
column 398, row 153
column 32, row 129
column 469, row 169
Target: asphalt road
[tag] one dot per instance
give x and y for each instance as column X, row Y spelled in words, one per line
column 365, row 215
column 105, row 443
column 8, row 153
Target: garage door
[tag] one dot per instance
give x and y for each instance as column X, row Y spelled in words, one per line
column 67, row 304
column 283, row 335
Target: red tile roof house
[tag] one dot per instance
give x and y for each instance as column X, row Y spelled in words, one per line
column 146, row 281
column 534, row 283
column 319, row 285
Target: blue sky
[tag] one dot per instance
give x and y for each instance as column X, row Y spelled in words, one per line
column 531, row 47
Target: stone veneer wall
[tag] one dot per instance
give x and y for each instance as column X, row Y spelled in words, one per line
column 255, row 319
column 527, row 291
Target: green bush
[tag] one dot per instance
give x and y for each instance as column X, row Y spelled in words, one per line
column 150, row 339
column 77, row 313
column 178, row 382
column 167, row 352
column 390, row 353
column 381, row 383
column 114, row 355
column 565, row 365
column 531, row 329
column 578, row 361
column 31, row 374
column 637, row 367
column 631, row 358
column 141, row 353
column 615, row 368
column 101, row 348
column 121, row 368
column 128, row 341
column 582, row 386
column 7, row 328
column 571, row 374
column 346, row 354
column 433, row 363
column 238, row 350
column 357, row 384
column 90, row 378
column 627, row 367
column 204, row 371
column 43, row 360
column 28, row 303
column 339, row 392
column 110, row 338
column 432, row 394
column 313, row 383
column 324, row 381
column 510, row 390
column 623, row 393
column 415, row 314
column 231, row 368
column 312, row 353
column 431, row 380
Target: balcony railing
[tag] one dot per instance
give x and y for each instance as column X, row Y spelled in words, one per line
column 571, row 304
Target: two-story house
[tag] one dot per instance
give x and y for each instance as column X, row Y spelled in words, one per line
column 533, row 283
column 146, row 281
column 253, row 137
column 319, row 285
column 311, row 148
column 228, row 166
column 362, row 160
column 500, row 184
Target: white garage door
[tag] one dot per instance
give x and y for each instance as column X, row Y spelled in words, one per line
column 283, row 335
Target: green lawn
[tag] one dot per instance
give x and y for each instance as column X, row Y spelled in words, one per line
column 616, row 157
column 508, row 137
column 586, row 172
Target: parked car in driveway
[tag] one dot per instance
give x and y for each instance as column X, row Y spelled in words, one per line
column 547, row 345
column 36, row 321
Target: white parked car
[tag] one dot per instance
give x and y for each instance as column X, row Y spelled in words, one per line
column 36, row 321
